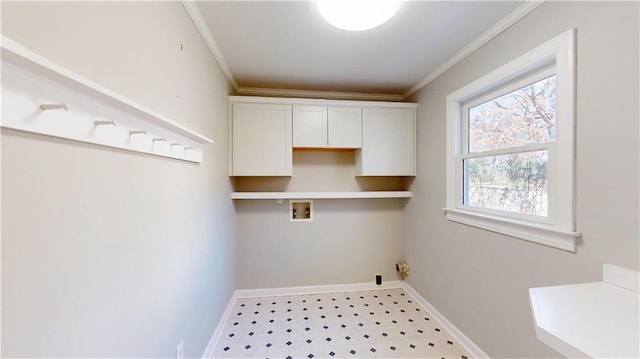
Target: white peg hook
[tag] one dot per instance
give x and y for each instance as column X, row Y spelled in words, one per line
column 55, row 106
column 161, row 139
column 137, row 132
column 189, row 148
column 106, row 122
column 176, row 144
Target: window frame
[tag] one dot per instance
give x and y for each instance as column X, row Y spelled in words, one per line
column 465, row 154
column 557, row 229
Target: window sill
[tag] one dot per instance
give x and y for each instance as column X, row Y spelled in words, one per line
column 517, row 229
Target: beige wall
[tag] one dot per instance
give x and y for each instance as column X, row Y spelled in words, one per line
column 349, row 240
column 478, row 279
column 107, row 253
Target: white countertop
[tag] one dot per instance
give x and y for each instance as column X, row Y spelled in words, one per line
column 598, row 320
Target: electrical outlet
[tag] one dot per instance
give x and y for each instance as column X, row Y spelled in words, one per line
column 180, row 350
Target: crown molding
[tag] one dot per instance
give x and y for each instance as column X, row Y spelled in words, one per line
column 203, row 29
column 513, row 17
column 506, row 22
column 333, row 95
column 205, row 32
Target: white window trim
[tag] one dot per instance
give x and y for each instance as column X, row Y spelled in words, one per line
column 559, row 231
column 550, row 147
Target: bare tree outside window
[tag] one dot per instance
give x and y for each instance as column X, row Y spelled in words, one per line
column 516, row 180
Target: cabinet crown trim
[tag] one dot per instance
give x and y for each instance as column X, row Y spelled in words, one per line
column 320, row 102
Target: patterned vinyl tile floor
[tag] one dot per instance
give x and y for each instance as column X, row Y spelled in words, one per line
column 384, row 323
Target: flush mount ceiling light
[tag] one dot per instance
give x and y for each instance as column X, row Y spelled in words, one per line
column 357, row 15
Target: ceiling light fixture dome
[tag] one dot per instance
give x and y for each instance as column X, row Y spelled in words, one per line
column 358, row 15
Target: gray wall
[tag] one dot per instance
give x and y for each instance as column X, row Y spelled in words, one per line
column 349, row 240
column 111, row 253
column 478, row 279
column 107, row 253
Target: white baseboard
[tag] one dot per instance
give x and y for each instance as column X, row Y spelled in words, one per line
column 316, row 289
column 273, row 292
column 456, row 333
column 208, row 352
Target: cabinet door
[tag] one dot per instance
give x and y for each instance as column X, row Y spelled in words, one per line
column 261, row 140
column 388, row 143
column 310, row 126
column 345, row 127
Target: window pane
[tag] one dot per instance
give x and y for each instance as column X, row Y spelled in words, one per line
column 514, row 182
column 526, row 115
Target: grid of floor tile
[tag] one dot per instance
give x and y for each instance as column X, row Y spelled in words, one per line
column 366, row 324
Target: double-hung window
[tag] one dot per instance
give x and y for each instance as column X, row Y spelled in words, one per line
column 510, row 148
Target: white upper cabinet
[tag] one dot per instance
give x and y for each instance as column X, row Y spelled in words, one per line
column 327, row 127
column 310, row 126
column 388, row 142
column 345, row 127
column 264, row 131
column 261, row 140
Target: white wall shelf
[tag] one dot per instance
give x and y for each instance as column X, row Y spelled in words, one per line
column 596, row 320
column 320, row 195
column 84, row 110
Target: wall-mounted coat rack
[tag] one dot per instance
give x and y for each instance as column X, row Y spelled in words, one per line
column 42, row 97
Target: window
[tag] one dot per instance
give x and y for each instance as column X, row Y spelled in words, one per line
column 506, row 143
column 510, row 148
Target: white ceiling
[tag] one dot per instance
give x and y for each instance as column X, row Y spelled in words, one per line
column 285, row 47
